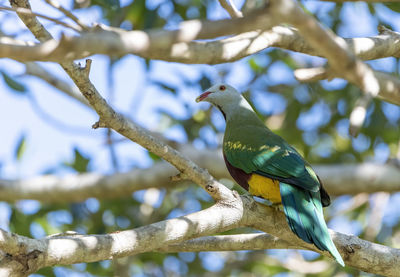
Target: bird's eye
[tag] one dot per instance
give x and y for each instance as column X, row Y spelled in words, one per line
column 222, row 88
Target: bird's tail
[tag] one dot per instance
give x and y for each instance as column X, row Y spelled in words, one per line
column 304, row 215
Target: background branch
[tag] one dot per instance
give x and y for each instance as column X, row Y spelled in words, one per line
column 337, row 179
column 389, row 85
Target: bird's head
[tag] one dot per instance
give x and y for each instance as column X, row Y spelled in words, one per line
column 220, row 95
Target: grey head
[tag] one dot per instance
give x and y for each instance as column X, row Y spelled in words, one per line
column 226, row 98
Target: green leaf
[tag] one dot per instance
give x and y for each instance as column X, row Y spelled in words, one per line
column 154, row 157
column 393, row 6
column 21, row 147
column 205, row 83
column 80, row 163
column 166, row 87
column 14, row 84
column 255, row 66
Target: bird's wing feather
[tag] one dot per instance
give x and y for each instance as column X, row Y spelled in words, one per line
column 276, row 161
column 303, row 212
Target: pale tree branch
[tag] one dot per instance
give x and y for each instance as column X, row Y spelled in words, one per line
column 67, row 249
column 337, row 179
column 258, row 241
column 74, row 248
column 115, row 41
column 386, row 44
column 389, row 85
column 230, row 7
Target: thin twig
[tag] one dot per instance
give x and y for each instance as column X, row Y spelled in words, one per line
column 29, row 12
column 67, row 13
column 230, row 7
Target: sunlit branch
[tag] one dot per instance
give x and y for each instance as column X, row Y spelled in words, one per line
column 70, row 248
column 386, row 44
column 74, row 248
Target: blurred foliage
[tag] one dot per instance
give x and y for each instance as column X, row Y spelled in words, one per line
column 20, row 149
column 312, row 117
column 13, row 83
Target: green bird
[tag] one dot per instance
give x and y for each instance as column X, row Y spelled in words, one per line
column 264, row 164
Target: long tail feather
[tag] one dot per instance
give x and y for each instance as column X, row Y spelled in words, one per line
column 303, row 210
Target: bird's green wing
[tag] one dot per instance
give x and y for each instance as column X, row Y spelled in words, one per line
column 273, row 158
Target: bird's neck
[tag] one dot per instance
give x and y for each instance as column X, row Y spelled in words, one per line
column 240, row 113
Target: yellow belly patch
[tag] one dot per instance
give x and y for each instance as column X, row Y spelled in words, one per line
column 265, row 187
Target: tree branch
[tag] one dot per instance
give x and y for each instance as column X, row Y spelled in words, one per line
column 258, row 241
column 389, row 85
column 386, row 44
column 230, row 8
column 67, row 249
column 107, row 40
column 63, row 249
column 337, row 179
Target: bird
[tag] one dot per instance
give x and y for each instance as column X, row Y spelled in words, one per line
column 267, row 166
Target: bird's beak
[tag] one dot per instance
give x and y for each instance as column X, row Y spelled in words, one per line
column 202, row 96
